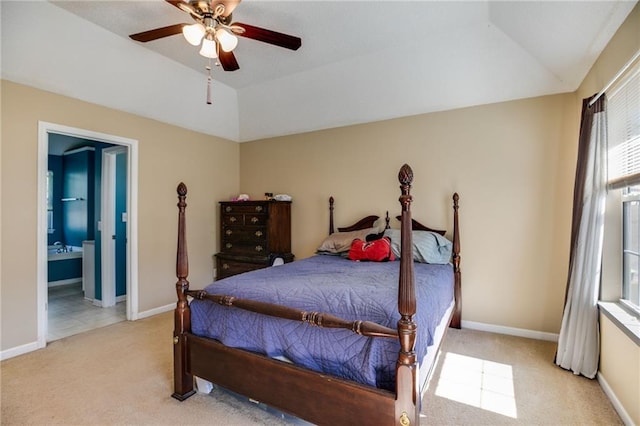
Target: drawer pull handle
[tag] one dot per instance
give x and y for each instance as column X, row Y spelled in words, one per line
column 259, row 248
column 228, row 232
column 228, row 209
column 232, row 219
column 225, row 266
column 258, row 233
column 229, row 245
column 254, row 219
column 258, row 208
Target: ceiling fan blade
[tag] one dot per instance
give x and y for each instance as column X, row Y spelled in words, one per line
column 268, row 36
column 157, row 33
column 228, row 60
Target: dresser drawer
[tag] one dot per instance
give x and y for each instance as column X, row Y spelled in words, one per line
column 244, row 219
column 248, row 233
column 258, row 248
column 229, row 267
column 244, row 208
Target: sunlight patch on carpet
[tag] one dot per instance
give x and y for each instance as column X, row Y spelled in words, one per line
column 477, row 382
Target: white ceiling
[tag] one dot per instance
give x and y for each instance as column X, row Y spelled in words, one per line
column 360, row 61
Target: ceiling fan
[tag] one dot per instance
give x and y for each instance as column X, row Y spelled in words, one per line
column 215, row 31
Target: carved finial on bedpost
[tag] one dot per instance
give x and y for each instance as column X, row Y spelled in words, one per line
column 406, row 292
column 387, row 221
column 457, row 289
column 182, row 261
column 405, row 176
column 407, row 392
column 182, row 380
column 331, row 229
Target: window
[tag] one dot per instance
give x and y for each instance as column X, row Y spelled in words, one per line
column 623, row 114
column 631, row 245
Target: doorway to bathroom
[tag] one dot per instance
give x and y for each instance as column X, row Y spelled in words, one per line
column 87, row 231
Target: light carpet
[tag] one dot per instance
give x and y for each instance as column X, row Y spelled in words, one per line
column 122, row 374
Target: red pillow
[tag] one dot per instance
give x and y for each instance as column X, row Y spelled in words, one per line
column 377, row 251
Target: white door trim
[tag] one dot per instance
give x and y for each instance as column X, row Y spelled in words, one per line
column 108, row 221
column 44, row 128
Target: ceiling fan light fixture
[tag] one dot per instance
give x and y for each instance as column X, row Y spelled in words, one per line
column 208, row 49
column 227, row 41
column 193, row 33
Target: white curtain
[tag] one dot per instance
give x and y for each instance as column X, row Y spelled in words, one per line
column 578, row 345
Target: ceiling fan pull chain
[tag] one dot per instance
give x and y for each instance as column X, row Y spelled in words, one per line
column 209, row 83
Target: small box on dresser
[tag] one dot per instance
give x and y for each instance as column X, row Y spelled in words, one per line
column 252, row 235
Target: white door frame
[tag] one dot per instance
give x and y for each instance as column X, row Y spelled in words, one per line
column 108, row 224
column 44, row 129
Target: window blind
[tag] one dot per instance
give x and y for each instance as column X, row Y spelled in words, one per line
column 623, row 116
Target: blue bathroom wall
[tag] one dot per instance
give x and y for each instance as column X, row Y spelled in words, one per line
column 99, row 146
column 55, row 166
column 121, row 224
column 78, row 191
column 121, row 202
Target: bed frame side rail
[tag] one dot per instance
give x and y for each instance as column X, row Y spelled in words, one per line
column 319, row 319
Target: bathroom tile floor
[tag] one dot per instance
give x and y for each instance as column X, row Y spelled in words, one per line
column 70, row 313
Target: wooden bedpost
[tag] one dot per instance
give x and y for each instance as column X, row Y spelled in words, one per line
column 457, row 313
column 407, row 392
column 182, row 380
column 331, row 229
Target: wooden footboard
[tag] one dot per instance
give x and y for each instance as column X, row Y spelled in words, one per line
column 316, row 397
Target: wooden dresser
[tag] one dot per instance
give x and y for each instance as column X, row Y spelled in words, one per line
column 252, row 235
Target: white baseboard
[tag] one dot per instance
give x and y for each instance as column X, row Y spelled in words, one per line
column 18, row 350
column 511, row 331
column 617, row 405
column 64, row 282
column 98, row 302
column 29, row 347
column 155, row 311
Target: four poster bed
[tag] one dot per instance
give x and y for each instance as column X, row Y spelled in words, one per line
column 316, row 338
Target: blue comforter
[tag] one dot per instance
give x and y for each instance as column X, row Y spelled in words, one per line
column 366, row 291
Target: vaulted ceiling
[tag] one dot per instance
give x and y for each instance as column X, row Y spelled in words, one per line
column 360, row 61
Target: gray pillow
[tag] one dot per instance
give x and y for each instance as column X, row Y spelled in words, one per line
column 339, row 242
column 428, row 247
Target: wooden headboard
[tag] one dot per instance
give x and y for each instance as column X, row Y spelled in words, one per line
column 364, row 223
column 417, row 226
column 369, row 221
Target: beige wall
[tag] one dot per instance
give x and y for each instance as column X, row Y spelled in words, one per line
column 167, row 155
column 619, row 355
column 620, row 366
column 510, row 162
